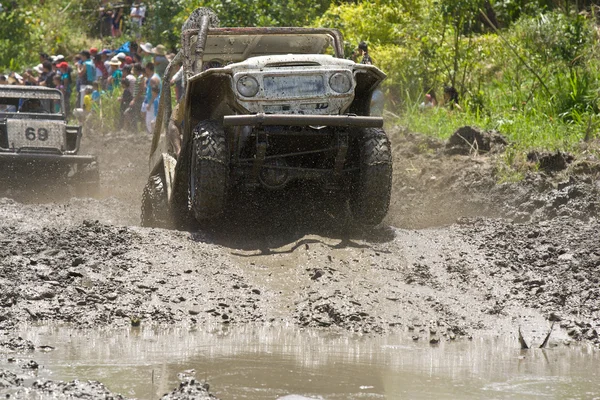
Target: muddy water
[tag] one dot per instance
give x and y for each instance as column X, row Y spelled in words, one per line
column 272, row 362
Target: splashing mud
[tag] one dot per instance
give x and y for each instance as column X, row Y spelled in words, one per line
column 493, row 259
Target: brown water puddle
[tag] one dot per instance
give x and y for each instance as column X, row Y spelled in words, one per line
column 270, row 362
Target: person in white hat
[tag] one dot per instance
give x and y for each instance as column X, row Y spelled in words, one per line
column 121, row 56
column 147, row 55
column 160, row 60
column 114, row 80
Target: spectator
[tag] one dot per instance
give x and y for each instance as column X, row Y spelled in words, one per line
column 82, row 113
column 451, row 98
column 57, row 81
column 133, row 48
column 43, row 57
column 15, row 79
column 147, row 55
column 114, row 81
column 96, row 92
column 152, row 111
column 29, row 78
column 67, row 82
column 430, row 100
column 47, row 77
column 363, row 50
column 87, row 98
column 153, row 80
column 105, row 59
column 117, row 22
column 137, row 17
column 160, row 60
column 125, row 99
column 133, row 111
column 40, row 72
column 129, row 76
column 3, row 80
column 86, row 69
column 82, row 76
column 137, row 58
column 101, row 72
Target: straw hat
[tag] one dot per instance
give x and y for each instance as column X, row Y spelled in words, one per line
column 159, row 50
column 147, row 47
column 115, row 62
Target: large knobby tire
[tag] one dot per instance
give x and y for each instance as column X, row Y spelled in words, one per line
column 209, row 171
column 371, row 191
column 155, row 205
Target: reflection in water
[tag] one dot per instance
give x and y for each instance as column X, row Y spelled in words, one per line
column 268, row 362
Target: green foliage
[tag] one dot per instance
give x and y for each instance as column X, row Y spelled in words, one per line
column 255, row 13
column 554, row 37
column 12, row 25
column 159, row 26
column 54, row 27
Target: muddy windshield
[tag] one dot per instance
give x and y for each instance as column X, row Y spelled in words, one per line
column 30, row 103
column 234, row 48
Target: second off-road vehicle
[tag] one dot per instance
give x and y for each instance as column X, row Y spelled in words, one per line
column 264, row 108
column 38, row 145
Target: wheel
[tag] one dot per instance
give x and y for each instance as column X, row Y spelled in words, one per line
column 372, row 186
column 155, row 206
column 209, row 171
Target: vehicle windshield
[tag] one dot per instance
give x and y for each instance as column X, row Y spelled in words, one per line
column 231, row 46
column 30, row 103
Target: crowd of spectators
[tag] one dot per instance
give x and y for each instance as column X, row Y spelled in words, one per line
column 92, row 76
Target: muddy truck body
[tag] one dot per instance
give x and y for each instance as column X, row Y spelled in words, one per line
column 265, row 108
column 37, row 143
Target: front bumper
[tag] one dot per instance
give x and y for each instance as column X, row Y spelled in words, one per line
column 45, row 158
column 303, row 120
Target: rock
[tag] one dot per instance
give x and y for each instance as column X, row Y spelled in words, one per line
column 30, row 365
column 77, row 261
column 193, row 311
column 471, row 140
column 317, row 274
column 111, row 296
column 550, row 162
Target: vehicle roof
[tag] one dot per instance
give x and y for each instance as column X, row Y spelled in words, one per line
column 37, row 92
column 237, row 44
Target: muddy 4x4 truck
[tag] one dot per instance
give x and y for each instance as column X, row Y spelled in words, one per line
column 264, row 108
column 37, row 145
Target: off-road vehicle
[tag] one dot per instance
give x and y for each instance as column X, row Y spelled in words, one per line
column 264, row 108
column 37, row 144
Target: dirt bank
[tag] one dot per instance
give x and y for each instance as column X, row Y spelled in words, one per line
column 492, row 257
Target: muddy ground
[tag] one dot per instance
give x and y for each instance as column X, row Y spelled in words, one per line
column 459, row 255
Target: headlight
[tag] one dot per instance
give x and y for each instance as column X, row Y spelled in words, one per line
column 247, row 86
column 340, row 82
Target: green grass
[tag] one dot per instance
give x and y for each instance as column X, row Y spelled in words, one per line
column 526, row 130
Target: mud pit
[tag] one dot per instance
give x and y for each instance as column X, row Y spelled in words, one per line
column 459, row 257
